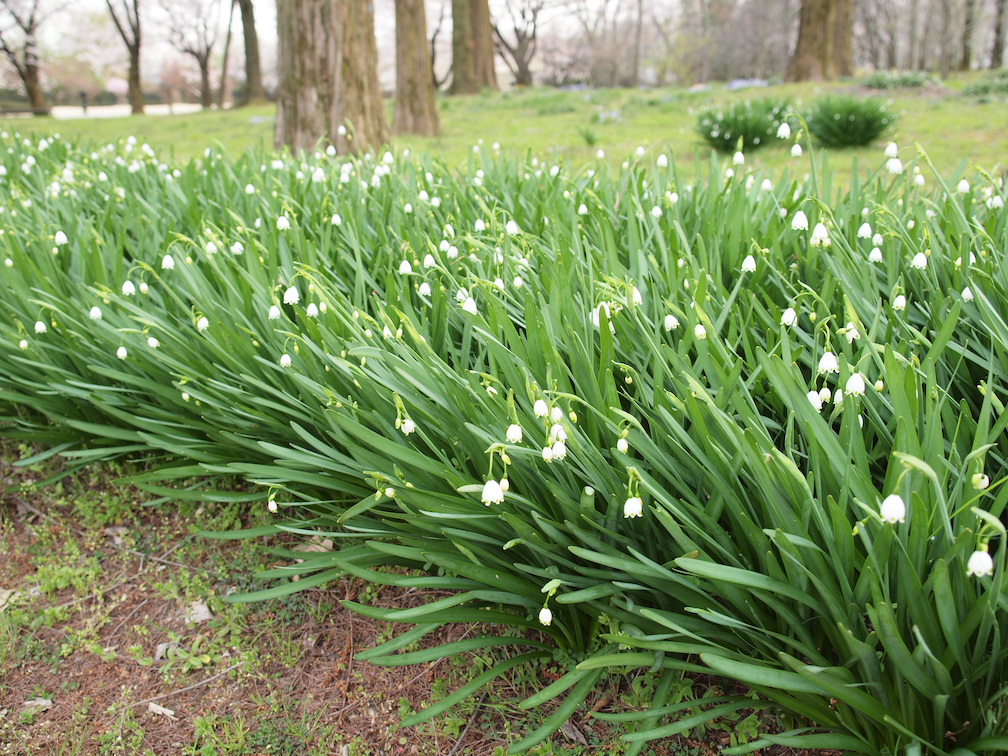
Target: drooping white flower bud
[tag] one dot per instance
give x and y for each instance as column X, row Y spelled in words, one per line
column 815, row 400
column 893, row 509
column 828, row 363
column 980, row 564
column 492, row 493
column 514, row 434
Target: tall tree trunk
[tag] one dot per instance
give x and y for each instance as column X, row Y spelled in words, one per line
column 415, row 109
column 30, row 77
column 206, row 93
column 322, row 81
column 841, row 50
column 997, row 54
column 912, row 51
column 360, row 89
column 945, row 55
column 635, row 74
column 923, row 51
column 136, row 96
column 30, row 73
column 463, row 59
column 811, row 59
column 483, row 46
column 222, row 90
column 253, row 72
column 967, row 53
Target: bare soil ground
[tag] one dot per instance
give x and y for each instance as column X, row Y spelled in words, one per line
column 98, row 654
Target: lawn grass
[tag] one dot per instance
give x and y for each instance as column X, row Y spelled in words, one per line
column 955, row 130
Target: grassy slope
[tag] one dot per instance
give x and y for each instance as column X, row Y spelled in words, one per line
column 950, row 127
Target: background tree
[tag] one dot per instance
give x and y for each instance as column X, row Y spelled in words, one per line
column 463, row 63
column 192, row 29
column 997, row 52
column 472, row 47
column 129, row 30
column 222, row 89
column 483, row 46
column 327, row 66
column 254, row 93
column 517, row 56
column 967, row 37
column 415, row 109
column 824, row 41
column 438, row 81
column 23, row 18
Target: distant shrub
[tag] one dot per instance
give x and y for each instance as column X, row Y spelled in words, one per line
column 897, row 80
column 754, row 121
column 993, row 84
column 847, row 121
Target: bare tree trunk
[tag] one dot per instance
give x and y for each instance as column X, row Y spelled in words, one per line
column 967, row 53
column 33, row 88
column 415, row 109
column 945, row 54
column 911, row 52
column 635, row 74
column 811, row 59
column 321, row 86
column 892, row 30
column 222, row 90
column 206, row 93
column 360, row 89
column 923, row 51
column 136, row 96
column 483, row 46
column 30, row 74
column 253, row 71
column 463, row 60
column 841, row 51
column 997, row 53
column 132, row 42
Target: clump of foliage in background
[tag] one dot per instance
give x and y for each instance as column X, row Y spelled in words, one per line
column 993, row 84
column 755, row 122
column 716, row 425
column 898, row 80
column 847, row 121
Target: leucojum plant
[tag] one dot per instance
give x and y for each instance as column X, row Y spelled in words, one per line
column 653, row 417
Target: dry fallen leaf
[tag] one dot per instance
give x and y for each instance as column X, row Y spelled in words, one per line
column 8, row 597
column 39, row 703
column 162, row 650
column 153, row 708
column 198, row 612
column 573, row 733
column 315, row 544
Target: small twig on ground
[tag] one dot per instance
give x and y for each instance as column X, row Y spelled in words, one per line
column 189, row 687
column 135, row 610
column 468, row 725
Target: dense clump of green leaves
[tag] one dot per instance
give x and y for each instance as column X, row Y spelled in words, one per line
column 699, row 392
column 898, row 80
column 994, row 83
column 754, row 122
column 847, row 121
